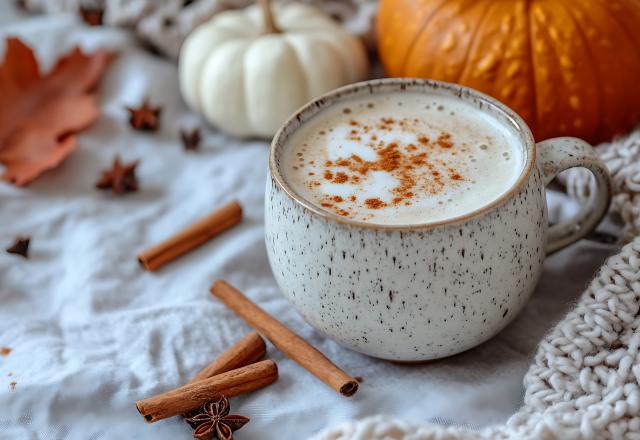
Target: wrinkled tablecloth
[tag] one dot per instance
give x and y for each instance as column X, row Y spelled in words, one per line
column 91, row 332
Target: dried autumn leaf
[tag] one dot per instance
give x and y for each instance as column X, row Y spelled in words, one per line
column 39, row 114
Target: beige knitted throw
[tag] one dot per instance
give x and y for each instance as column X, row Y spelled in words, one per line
column 584, row 382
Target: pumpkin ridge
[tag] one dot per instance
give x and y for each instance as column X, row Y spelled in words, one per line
column 629, row 34
column 331, row 43
column 547, row 104
column 596, row 73
column 418, row 34
column 300, row 67
column 201, row 68
column 247, row 118
column 481, row 22
column 635, row 43
column 339, row 54
column 561, row 107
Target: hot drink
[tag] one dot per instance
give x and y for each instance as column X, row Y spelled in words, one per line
column 407, row 219
column 402, row 158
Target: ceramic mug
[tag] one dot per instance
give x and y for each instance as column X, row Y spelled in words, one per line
column 423, row 291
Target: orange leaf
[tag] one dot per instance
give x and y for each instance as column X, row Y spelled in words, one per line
column 39, row 114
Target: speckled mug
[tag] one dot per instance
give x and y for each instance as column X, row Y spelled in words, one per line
column 423, row 291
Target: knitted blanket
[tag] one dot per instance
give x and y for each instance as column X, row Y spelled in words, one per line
column 584, row 381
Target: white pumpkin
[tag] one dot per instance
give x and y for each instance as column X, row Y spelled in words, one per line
column 247, row 76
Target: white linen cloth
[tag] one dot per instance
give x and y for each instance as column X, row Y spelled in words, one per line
column 91, row 332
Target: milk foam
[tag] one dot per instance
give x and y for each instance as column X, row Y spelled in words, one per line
column 399, row 159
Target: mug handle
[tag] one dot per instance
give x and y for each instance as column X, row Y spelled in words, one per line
column 559, row 154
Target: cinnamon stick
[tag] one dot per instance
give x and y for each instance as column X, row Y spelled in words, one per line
column 193, row 395
column 287, row 341
column 244, row 352
column 191, row 237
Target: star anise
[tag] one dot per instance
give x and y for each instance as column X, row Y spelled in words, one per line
column 145, row 117
column 190, row 140
column 92, row 15
column 20, row 246
column 121, row 178
column 213, row 421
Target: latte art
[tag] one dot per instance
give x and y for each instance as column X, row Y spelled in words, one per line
column 402, row 159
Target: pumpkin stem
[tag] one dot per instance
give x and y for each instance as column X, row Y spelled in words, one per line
column 269, row 22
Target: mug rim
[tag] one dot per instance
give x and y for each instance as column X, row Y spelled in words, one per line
column 351, row 90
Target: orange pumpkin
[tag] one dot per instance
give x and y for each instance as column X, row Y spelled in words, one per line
column 568, row 67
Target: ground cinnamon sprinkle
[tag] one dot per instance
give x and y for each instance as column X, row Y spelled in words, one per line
column 444, row 140
column 340, row 177
column 375, row 203
column 410, row 164
column 389, row 158
column 386, row 124
column 419, row 159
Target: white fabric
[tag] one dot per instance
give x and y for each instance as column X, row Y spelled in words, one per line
column 91, row 332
